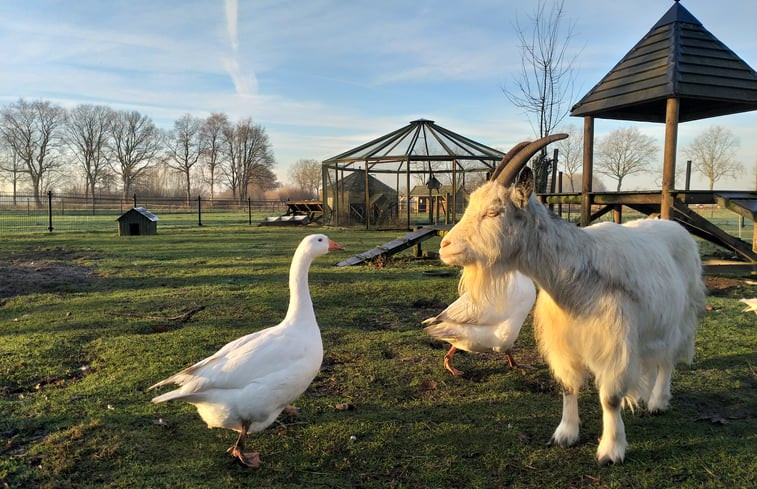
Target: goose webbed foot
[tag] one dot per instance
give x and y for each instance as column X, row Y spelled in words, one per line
column 514, row 365
column 250, row 459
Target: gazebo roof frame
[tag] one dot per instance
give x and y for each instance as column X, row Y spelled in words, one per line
column 421, row 141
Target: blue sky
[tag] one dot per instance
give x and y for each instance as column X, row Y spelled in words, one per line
column 323, row 76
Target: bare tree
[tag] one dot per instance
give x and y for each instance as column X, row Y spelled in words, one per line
column 32, row 130
column 544, row 88
column 212, row 137
column 11, row 166
column 308, row 175
column 713, row 154
column 249, row 158
column 135, row 143
column 184, row 147
column 87, row 132
column 624, row 152
column 571, row 153
column 263, row 181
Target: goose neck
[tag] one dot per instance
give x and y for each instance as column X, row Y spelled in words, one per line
column 299, row 291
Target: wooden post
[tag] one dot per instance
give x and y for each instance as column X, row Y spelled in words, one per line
column 407, row 184
column 324, row 196
column 669, row 158
column 454, row 196
column 367, row 200
column 617, row 214
column 588, row 169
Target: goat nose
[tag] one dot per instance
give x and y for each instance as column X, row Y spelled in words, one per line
column 444, row 243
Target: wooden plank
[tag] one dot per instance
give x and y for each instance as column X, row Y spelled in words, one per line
column 740, row 204
column 394, row 246
column 722, row 267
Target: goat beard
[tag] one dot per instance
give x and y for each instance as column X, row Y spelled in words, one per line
column 484, row 284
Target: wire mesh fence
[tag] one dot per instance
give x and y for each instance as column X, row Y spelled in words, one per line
column 22, row 214
column 61, row 213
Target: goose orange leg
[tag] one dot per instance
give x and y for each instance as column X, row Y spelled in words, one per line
column 514, row 365
column 250, row 459
column 448, row 360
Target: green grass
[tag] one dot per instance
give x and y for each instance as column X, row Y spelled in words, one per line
column 76, row 357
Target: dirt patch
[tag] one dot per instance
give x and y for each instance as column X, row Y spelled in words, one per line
column 730, row 287
column 43, row 271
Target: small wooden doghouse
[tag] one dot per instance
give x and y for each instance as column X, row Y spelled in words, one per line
column 137, row 221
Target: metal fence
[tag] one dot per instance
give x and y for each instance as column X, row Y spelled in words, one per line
column 23, row 214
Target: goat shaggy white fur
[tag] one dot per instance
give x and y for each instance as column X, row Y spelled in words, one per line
column 619, row 302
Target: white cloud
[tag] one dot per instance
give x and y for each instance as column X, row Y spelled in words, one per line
column 232, row 21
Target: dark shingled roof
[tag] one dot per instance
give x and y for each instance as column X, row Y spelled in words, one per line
column 140, row 210
column 677, row 58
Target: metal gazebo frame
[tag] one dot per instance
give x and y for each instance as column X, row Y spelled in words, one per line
column 421, row 147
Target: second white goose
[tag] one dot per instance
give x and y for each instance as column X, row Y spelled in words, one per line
column 247, row 383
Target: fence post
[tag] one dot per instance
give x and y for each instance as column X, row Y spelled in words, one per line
column 50, row 210
column 199, row 210
column 249, row 211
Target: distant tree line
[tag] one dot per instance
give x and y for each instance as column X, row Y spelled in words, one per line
column 94, row 150
column 627, row 151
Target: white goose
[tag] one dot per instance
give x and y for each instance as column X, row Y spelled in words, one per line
column 492, row 322
column 247, row 383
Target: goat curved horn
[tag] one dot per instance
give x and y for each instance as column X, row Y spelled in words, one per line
column 508, row 156
column 519, row 160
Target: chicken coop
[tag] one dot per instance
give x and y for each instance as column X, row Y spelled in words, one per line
column 137, row 221
column 347, row 199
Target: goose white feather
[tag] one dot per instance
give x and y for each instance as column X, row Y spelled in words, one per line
column 246, row 384
column 488, row 321
column 751, row 304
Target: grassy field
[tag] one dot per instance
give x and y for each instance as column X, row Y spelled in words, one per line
column 85, row 329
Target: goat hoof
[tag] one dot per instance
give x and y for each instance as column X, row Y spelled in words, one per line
column 609, row 461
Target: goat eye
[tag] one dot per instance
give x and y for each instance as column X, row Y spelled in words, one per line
column 492, row 213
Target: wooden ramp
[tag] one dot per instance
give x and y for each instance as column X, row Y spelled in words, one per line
column 392, row 247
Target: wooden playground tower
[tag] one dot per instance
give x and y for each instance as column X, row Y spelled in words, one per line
column 678, row 72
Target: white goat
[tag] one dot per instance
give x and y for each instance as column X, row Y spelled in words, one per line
column 620, row 302
column 486, row 317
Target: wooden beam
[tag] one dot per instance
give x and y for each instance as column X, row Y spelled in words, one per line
column 588, row 168
column 696, row 221
column 669, row 157
column 601, row 212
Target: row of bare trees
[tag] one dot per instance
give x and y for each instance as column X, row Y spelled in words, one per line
column 627, row 151
column 43, row 145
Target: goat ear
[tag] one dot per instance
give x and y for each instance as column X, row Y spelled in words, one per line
column 523, row 188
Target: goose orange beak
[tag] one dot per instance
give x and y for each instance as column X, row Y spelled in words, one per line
column 334, row 246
